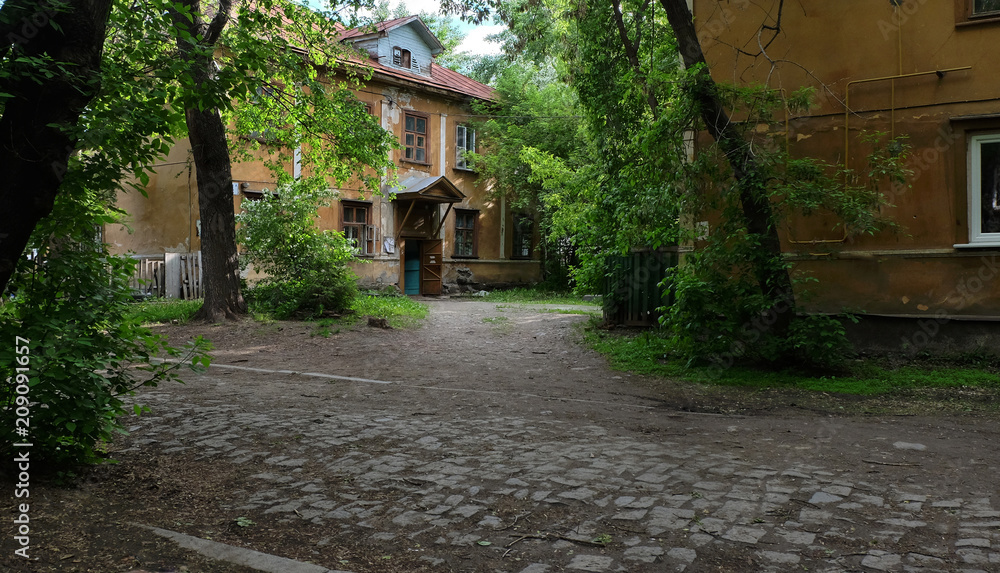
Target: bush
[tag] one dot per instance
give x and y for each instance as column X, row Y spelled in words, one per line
column 67, row 321
column 306, row 268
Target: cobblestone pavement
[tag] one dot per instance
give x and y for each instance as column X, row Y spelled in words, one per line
column 531, row 479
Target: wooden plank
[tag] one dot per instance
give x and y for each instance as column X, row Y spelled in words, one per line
column 399, row 229
column 171, row 275
column 200, row 293
column 431, row 263
column 187, row 276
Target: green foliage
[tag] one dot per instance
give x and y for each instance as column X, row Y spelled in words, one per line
column 306, row 268
column 719, row 313
column 281, row 102
column 624, row 177
column 539, row 158
column 72, row 301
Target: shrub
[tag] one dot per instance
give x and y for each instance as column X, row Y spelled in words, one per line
column 306, row 268
column 67, row 321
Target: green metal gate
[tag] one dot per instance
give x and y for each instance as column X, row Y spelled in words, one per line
column 631, row 287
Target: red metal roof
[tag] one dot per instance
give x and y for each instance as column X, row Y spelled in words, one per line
column 441, row 78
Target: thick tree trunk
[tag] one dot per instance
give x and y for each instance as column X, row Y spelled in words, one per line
column 210, row 148
column 36, row 130
column 221, row 271
column 771, row 274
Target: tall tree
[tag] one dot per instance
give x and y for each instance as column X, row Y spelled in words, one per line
column 51, row 58
column 196, row 42
column 751, row 177
column 269, row 81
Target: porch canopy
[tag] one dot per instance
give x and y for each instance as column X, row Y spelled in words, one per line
column 427, row 192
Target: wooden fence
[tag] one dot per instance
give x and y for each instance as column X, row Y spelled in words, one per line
column 171, row 275
column 632, row 295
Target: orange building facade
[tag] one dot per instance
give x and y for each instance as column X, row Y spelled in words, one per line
column 921, row 69
column 437, row 231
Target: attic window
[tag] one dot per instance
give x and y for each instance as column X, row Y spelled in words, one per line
column 400, row 57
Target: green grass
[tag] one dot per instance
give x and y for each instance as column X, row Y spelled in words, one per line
column 536, row 296
column 164, row 310
column 646, row 353
column 399, row 311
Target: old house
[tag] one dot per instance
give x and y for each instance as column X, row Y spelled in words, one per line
column 437, row 231
column 914, row 68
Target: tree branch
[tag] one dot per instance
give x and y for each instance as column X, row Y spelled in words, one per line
column 218, row 22
column 632, row 50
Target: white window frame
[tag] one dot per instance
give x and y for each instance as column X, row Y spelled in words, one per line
column 462, row 141
column 976, row 235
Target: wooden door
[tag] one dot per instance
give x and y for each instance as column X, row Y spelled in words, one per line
column 431, row 266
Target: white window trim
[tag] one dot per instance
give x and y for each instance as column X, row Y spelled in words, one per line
column 460, row 161
column 977, row 238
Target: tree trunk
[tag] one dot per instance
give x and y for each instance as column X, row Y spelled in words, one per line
column 221, row 270
column 771, row 273
column 210, row 148
column 36, row 130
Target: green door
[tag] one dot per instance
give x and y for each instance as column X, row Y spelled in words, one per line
column 411, row 267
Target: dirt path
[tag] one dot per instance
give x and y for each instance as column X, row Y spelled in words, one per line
column 488, row 440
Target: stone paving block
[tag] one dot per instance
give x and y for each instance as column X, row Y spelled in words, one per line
column 467, row 510
column 973, row 556
column 536, row 568
column 842, row 491
column 634, row 515
column 410, row 518
column 909, row 523
column 683, row 554
column 597, row 563
column 734, row 509
column 809, row 515
column 875, row 500
column 578, row 494
column 973, row 543
column 700, row 539
column 664, row 518
column 881, row 561
column 643, row 554
column 798, row 537
column 781, row 558
column 948, row 504
column 822, row 497
column 743, row 534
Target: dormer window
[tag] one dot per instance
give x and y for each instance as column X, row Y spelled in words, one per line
column 401, row 57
